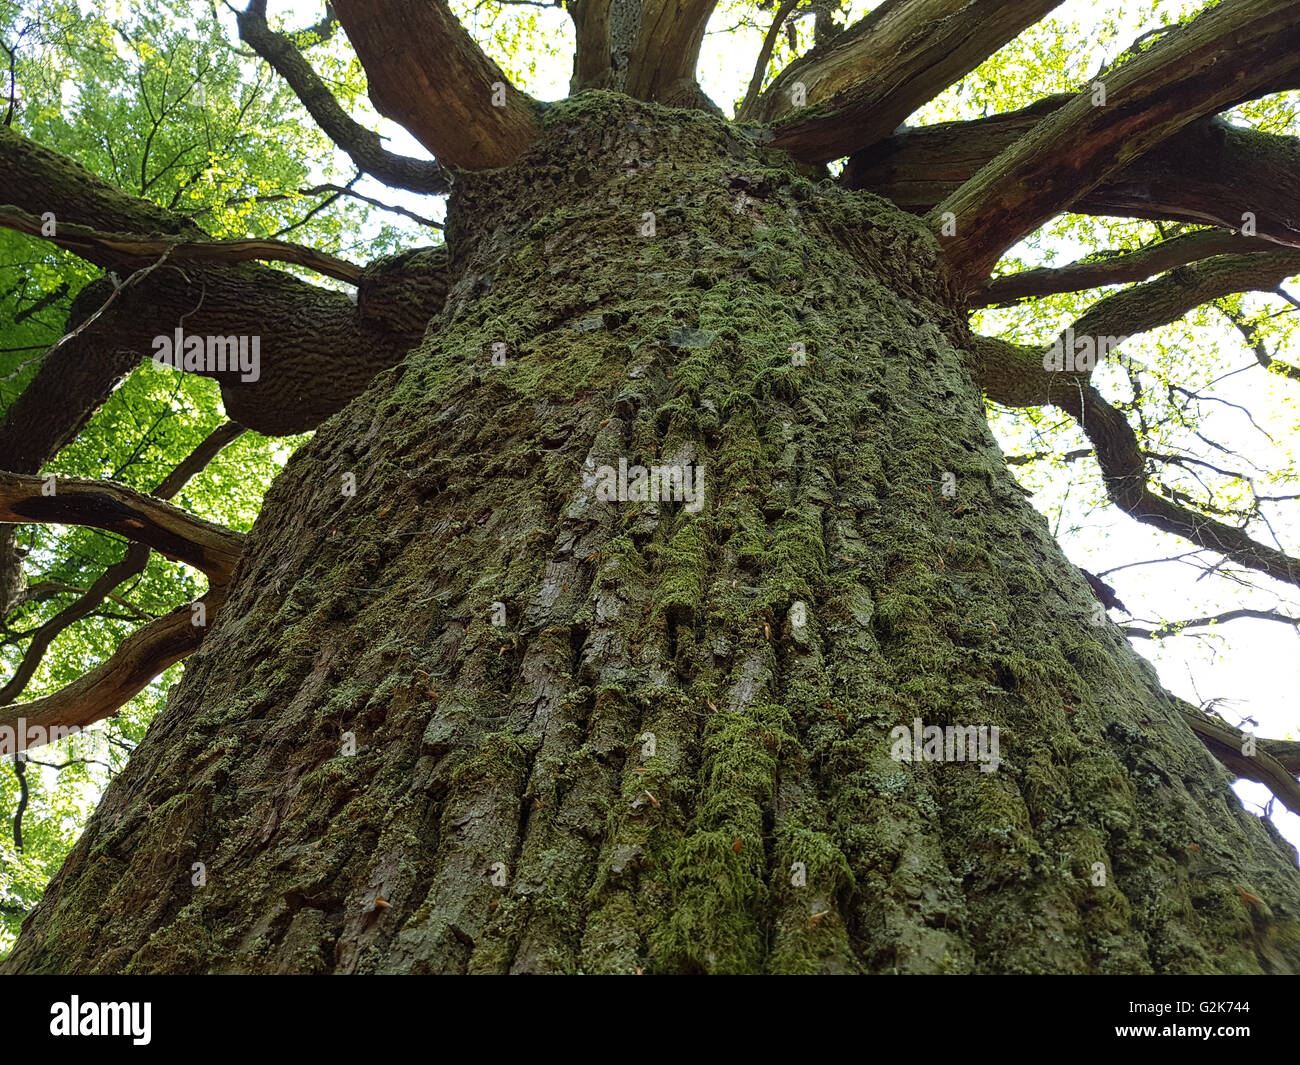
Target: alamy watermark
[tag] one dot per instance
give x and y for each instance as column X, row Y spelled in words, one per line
column 210, row 354
column 75, row 1017
column 653, row 484
column 1080, row 353
column 951, row 743
column 16, row 739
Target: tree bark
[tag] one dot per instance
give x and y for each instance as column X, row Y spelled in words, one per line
column 870, row 78
column 319, row 348
column 426, row 73
column 1210, row 173
column 1227, row 54
column 675, row 755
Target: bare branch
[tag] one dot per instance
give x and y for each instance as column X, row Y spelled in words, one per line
column 132, row 563
column 1250, row 334
column 1173, row 628
column 1124, row 474
column 46, row 589
column 335, row 190
column 363, row 146
column 1013, row 374
column 127, row 671
column 764, row 57
column 208, row 547
column 1114, row 268
column 132, row 249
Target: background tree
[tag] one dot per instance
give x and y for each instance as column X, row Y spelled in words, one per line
column 675, row 754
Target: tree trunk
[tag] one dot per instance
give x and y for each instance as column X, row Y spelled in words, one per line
column 677, row 754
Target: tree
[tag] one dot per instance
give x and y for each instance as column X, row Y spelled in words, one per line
column 652, row 594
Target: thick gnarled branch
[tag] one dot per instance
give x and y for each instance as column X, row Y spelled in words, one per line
column 1210, row 173
column 867, row 80
column 425, row 72
column 1167, row 298
column 1225, row 55
column 662, row 67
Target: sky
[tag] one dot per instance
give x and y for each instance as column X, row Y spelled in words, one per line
column 1253, row 667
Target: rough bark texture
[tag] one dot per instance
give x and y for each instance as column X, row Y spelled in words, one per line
column 524, row 745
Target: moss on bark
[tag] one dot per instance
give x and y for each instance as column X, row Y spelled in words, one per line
column 675, row 755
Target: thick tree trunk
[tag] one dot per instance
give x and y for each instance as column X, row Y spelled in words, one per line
column 505, row 810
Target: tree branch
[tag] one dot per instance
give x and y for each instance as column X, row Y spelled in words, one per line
column 127, row 250
column 1224, row 56
column 318, row 349
column 20, row 771
column 1173, row 628
column 1114, row 268
column 211, row 548
column 1120, row 456
column 1264, row 766
column 363, row 146
column 764, row 57
column 871, row 77
column 127, row 671
column 74, row 380
column 426, row 73
column 48, row 589
column 1210, row 173
column 1166, row 299
column 662, row 65
column 132, row 563
column 1256, row 343
column 592, row 54
column 334, row 190
column 1013, row 375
